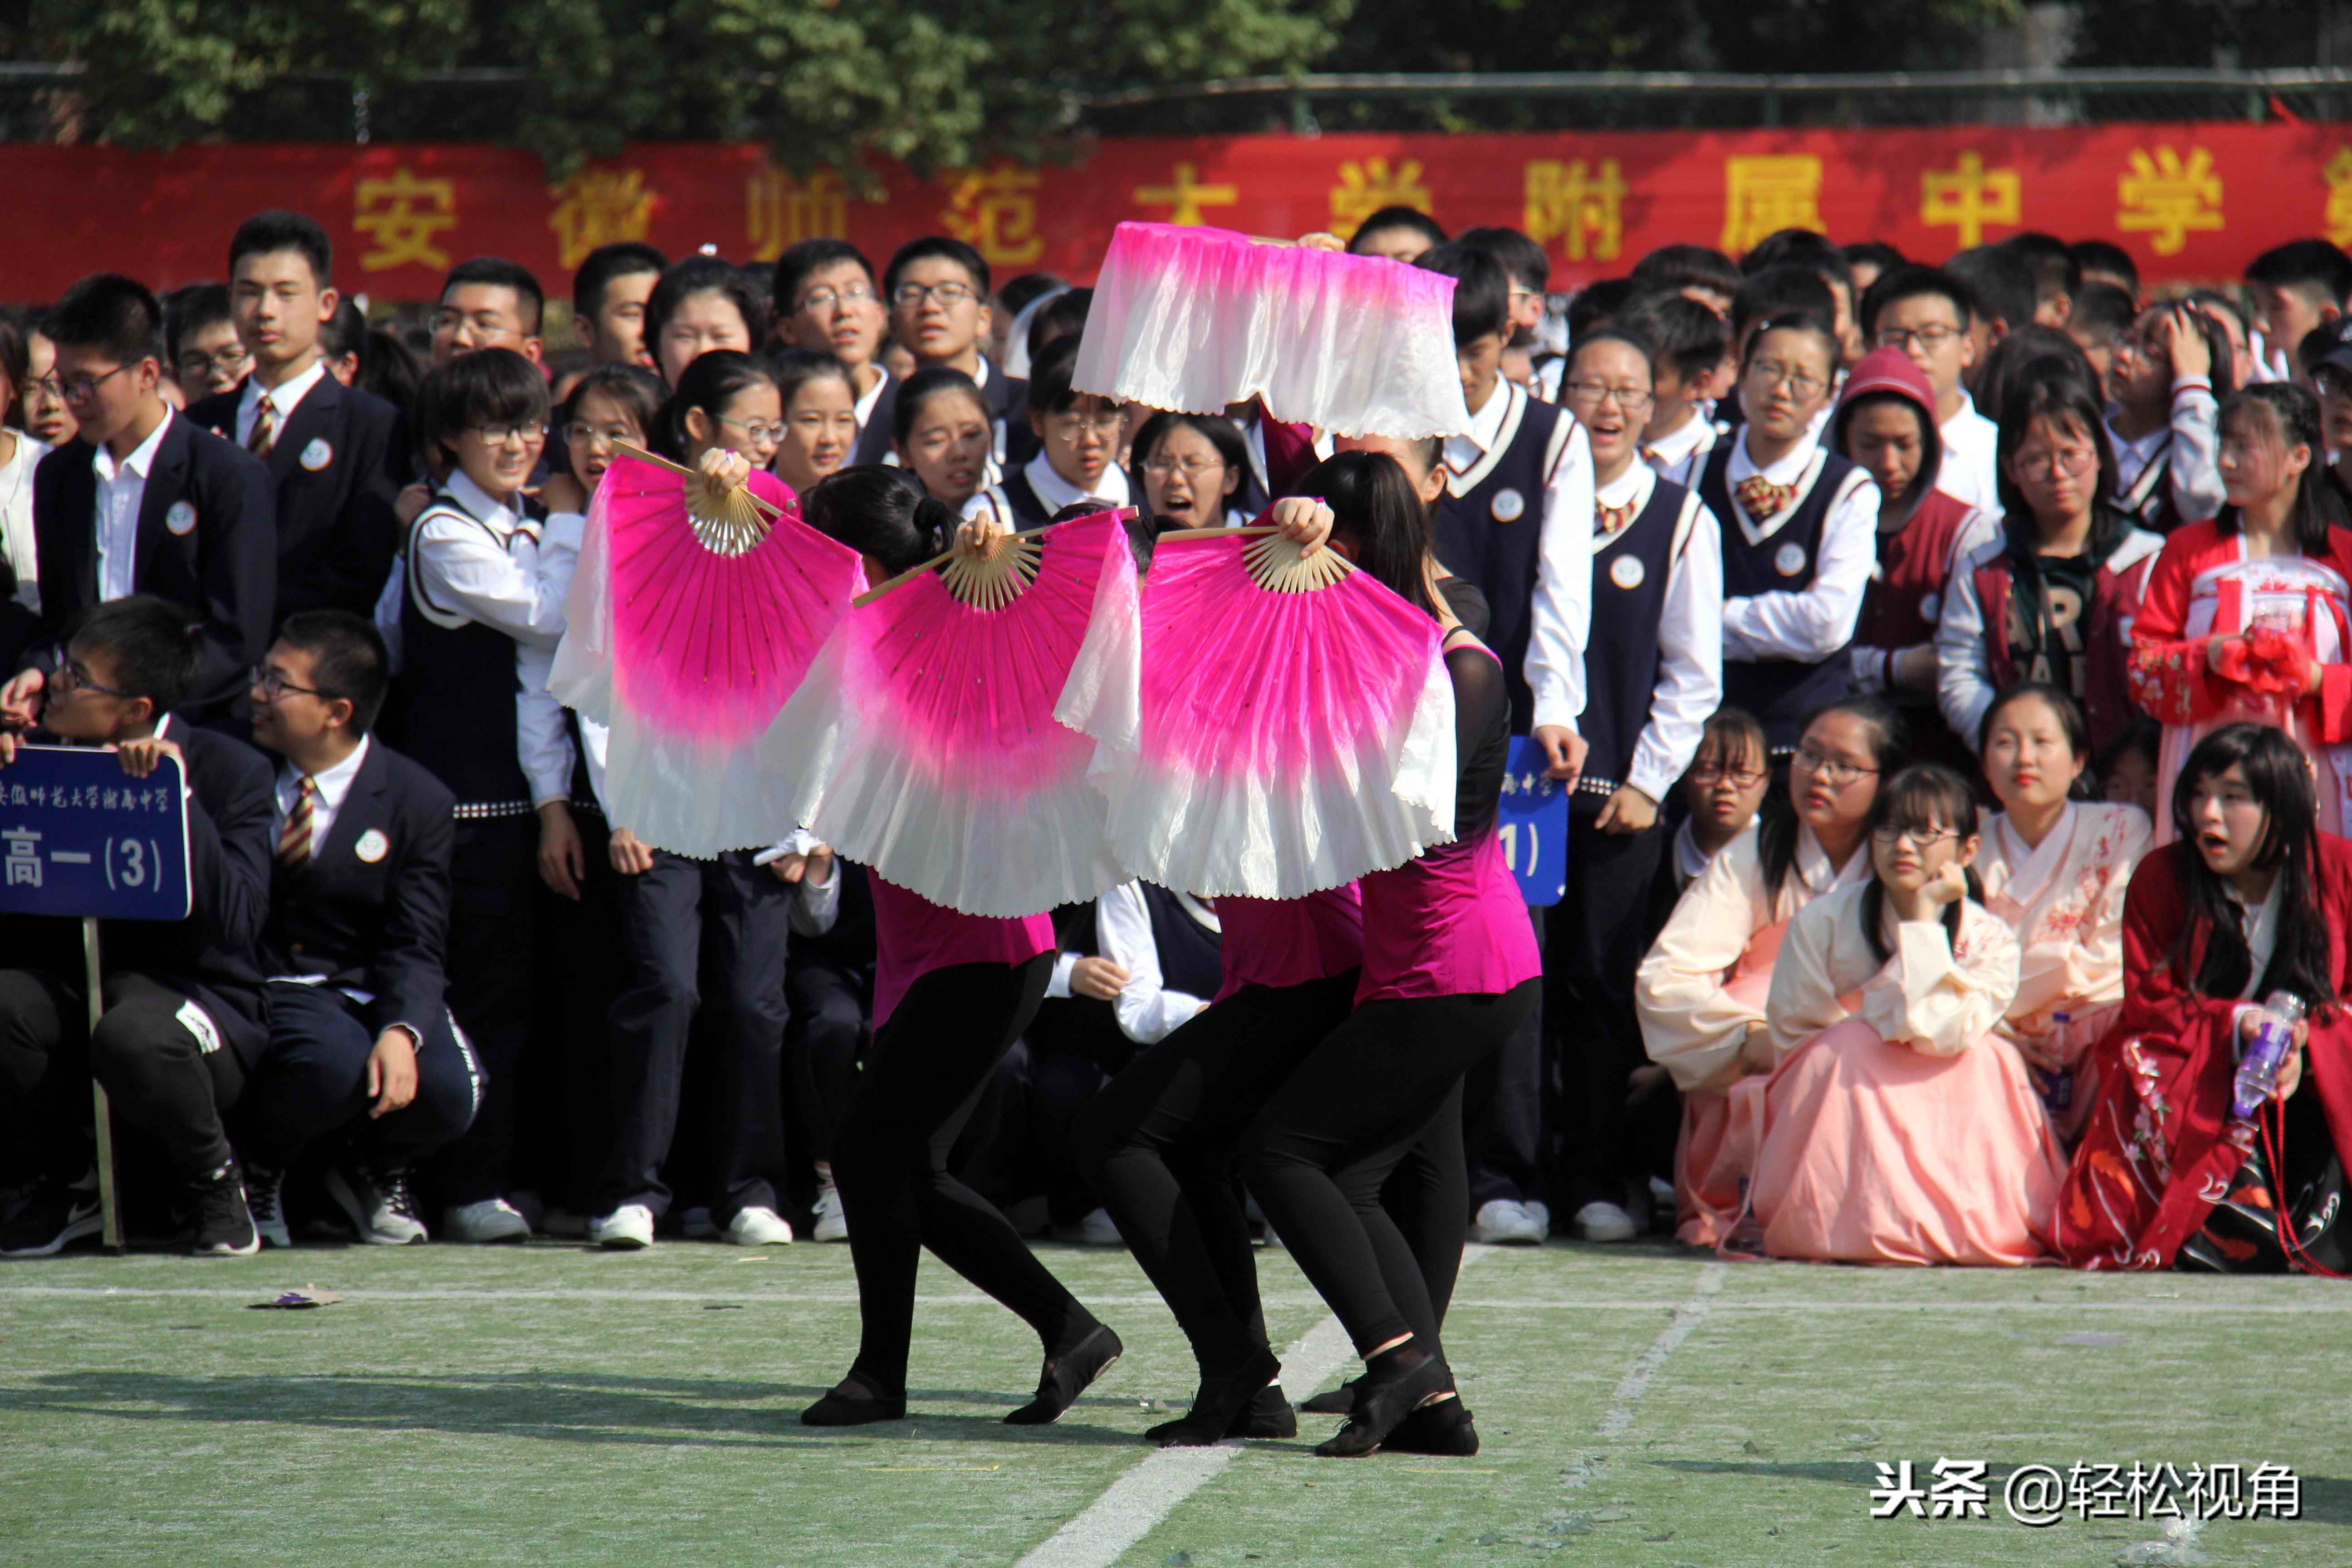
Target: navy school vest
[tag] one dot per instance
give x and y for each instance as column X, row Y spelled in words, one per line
column 1630, row 570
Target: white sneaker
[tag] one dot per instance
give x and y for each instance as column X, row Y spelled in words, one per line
column 625, row 1229
column 1540, row 1212
column 1504, row 1222
column 492, row 1219
column 1603, row 1221
column 758, row 1228
column 831, row 1224
column 1095, row 1230
column 379, row 1204
column 264, row 1193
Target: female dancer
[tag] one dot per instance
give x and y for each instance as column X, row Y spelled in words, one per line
column 2252, row 898
column 2055, row 867
column 952, row 993
column 1450, row 970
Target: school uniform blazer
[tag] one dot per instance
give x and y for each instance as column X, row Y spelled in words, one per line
column 332, row 469
column 213, row 957
column 370, row 910
column 222, row 563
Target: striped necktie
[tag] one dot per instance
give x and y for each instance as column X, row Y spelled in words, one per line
column 294, row 838
column 1612, row 518
column 265, row 429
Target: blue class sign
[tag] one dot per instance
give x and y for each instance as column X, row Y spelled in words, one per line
column 78, row 837
column 1533, row 826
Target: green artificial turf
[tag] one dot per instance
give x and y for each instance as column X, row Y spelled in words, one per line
column 551, row 1404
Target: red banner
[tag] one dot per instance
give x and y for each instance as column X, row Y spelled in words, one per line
column 2189, row 200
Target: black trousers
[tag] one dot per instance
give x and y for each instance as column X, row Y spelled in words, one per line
column 312, row 1081
column 927, row 1065
column 829, row 1003
column 1158, row 1145
column 496, row 901
column 1503, row 1111
column 1319, row 1152
column 157, row 1075
column 1594, row 942
column 678, row 920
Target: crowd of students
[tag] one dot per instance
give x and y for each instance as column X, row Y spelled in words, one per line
column 1918, row 608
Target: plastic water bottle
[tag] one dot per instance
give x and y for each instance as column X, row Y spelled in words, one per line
column 2258, row 1069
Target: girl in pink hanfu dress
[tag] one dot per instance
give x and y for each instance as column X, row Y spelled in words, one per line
column 1898, row 1128
column 2056, row 869
column 1700, row 992
column 2250, row 615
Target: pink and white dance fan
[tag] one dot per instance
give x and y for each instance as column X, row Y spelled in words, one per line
column 923, row 743
column 1294, row 730
column 1199, row 319
column 691, row 621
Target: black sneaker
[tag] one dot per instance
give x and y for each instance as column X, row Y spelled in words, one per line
column 222, row 1225
column 263, row 1193
column 53, row 1217
column 380, row 1205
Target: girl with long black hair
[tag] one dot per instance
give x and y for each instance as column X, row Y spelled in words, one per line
column 2252, row 898
column 1450, row 970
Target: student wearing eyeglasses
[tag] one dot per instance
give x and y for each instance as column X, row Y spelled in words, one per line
column 937, row 291
column 1928, row 315
column 1077, row 456
column 145, row 501
column 825, row 301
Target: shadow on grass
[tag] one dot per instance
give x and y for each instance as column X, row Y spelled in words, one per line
column 2327, row 1500
column 557, row 1408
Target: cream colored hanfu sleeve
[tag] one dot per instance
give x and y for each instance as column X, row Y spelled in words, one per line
column 1691, row 1022
column 1938, row 997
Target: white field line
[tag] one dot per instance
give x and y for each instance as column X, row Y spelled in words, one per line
column 2317, row 1303
column 1688, row 1316
column 1153, row 1490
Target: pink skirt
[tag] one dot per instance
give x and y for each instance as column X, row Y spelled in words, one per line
column 1876, row 1154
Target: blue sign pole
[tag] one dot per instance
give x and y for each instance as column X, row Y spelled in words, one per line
column 1533, row 823
column 81, row 838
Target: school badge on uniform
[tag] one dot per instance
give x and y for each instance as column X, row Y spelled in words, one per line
column 1626, row 572
column 182, row 518
column 1790, row 560
column 1509, row 506
column 372, row 846
column 317, row 454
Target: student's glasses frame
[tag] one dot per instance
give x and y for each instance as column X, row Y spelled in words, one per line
column 1921, row 838
column 910, row 296
column 1931, row 337
column 229, row 362
column 2074, row 464
column 70, row 676
column 1715, row 773
column 272, row 685
column 826, row 297
column 765, row 435
column 1188, row 467
column 1771, row 372
column 505, row 435
column 1632, row 399
column 1833, row 772
column 81, row 389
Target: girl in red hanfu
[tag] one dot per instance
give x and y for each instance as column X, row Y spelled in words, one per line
column 2249, row 616
column 2253, row 900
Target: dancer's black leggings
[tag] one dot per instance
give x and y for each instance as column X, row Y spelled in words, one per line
column 924, row 1071
column 1319, row 1153
column 1158, row 1141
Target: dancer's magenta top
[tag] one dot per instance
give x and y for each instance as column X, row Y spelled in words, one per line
column 1290, row 941
column 913, row 936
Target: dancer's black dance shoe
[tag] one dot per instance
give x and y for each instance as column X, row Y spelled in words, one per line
column 1395, row 1383
column 1221, row 1402
column 850, row 1403
column 1268, row 1414
column 1066, row 1376
column 1443, row 1428
column 1332, row 1401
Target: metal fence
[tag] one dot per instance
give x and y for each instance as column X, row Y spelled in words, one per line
column 38, row 102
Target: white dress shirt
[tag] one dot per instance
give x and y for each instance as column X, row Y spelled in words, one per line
column 1147, row 1008
column 283, row 400
column 867, row 399
column 1053, row 490
column 120, row 490
column 1679, row 453
column 18, row 546
column 1690, row 635
column 2189, row 444
column 1971, row 466
column 478, row 559
column 1807, row 625
column 1560, row 616
column 542, row 741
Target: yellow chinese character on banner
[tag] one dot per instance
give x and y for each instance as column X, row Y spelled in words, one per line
column 1184, row 197
column 598, row 206
column 1969, row 196
column 402, row 214
column 2164, row 197
column 781, row 211
column 995, row 213
column 2336, row 222
column 1365, row 188
column 1567, row 204
column 1764, row 196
